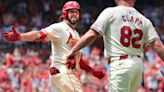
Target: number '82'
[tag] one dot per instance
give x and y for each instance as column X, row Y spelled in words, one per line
column 126, row 39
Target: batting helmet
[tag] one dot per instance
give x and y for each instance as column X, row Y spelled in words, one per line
column 69, row 5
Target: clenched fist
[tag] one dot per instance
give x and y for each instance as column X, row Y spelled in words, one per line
column 12, row 36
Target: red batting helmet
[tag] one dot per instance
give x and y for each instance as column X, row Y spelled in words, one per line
column 69, row 5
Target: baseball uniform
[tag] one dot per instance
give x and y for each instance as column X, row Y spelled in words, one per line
column 125, row 33
column 62, row 38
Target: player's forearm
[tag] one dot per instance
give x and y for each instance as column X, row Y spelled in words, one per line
column 85, row 40
column 159, row 48
column 77, row 58
column 160, row 52
column 161, row 55
column 30, row 36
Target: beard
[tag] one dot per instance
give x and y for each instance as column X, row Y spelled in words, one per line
column 72, row 20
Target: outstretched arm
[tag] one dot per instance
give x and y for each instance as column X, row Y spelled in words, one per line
column 86, row 39
column 29, row 36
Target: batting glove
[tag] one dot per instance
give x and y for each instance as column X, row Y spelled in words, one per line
column 71, row 64
column 12, row 36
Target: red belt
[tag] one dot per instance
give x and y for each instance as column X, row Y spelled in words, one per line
column 54, row 71
column 121, row 58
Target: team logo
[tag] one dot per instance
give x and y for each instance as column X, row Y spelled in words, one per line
column 71, row 42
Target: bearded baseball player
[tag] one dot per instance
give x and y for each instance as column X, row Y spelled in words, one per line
column 63, row 37
column 126, row 33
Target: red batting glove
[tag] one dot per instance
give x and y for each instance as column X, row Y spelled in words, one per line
column 97, row 73
column 12, row 36
column 71, row 64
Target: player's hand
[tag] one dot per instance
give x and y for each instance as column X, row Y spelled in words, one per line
column 97, row 73
column 71, row 64
column 12, row 36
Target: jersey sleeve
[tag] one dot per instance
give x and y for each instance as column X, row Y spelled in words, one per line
column 102, row 22
column 151, row 34
column 51, row 32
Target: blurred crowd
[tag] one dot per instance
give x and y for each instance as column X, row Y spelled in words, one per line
column 24, row 67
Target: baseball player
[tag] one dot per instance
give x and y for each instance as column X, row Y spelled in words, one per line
column 63, row 37
column 125, row 33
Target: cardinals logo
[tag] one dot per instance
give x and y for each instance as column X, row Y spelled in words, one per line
column 71, row 42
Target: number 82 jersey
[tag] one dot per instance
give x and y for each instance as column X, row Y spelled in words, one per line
column 124, row 31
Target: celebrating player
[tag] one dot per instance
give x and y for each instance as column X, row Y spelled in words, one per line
column 63, row 36
column 125, row 32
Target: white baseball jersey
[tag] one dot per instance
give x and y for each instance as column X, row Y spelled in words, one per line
column 62, row 38
column 124, row 30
